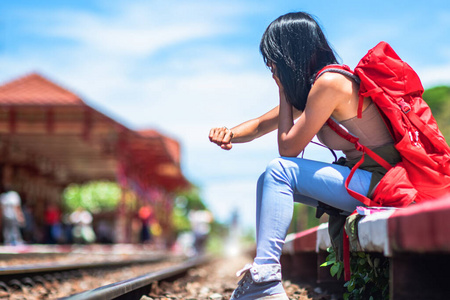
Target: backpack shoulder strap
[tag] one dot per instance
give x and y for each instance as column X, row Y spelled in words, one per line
column 346, row 71
column 338, row 128
column 341, row 69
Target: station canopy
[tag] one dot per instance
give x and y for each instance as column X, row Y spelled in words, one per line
column 48, row 129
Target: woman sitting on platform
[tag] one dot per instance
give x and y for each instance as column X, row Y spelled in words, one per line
column 295, row 49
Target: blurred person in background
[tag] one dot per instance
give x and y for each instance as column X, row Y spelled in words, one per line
column 12, row 218
column 28, row 230
column 82, row 231
column 53, row 228
column 201, row 226
column 145, row 215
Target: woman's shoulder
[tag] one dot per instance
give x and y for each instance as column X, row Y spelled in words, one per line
column 335, row 82
column 333, row 79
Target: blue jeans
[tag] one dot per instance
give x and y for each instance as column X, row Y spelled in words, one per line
column 289, row 179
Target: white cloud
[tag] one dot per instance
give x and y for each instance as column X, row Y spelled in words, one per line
column 138, row 28
column 132, row 40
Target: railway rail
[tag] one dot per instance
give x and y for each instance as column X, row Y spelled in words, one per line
column 24, row 280
column 134, row 288
column 27, row 270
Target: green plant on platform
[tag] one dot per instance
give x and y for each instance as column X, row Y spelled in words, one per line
column 369, row 275
column 337, row 267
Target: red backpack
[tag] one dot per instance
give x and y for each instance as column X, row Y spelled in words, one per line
column 424, row 172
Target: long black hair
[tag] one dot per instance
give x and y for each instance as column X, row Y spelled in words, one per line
column 296, row 45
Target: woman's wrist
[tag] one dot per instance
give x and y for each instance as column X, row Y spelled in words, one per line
column 230, row 131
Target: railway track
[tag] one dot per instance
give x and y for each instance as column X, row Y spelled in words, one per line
column 75, row 280
column 202, row 278
column 134, row 288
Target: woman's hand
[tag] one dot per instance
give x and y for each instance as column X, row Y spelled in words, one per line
column 221, row 136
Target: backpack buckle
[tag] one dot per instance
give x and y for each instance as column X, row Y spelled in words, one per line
column 405, row 107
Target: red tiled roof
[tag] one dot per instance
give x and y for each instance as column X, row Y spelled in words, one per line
column 172, row 146
column 149, row 133
column 33, row 89
column 147, row 157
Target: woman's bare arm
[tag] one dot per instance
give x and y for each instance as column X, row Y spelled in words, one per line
column 324, row 100
column 247, row 131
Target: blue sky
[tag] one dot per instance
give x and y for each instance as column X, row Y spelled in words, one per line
column 182, row 67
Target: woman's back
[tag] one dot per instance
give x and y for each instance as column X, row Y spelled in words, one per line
column 370, row 129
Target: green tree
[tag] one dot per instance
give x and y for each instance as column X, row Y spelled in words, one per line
column 92, row 196
column 438, row 98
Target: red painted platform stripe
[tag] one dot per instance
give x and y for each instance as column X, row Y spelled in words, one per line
column 305, row 241
column 421, row 227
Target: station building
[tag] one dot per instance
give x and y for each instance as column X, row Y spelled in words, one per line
column 51, row 138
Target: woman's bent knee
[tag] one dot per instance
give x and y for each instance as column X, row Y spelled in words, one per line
column 280, row 164
column 275, row 165
column 281, row 169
